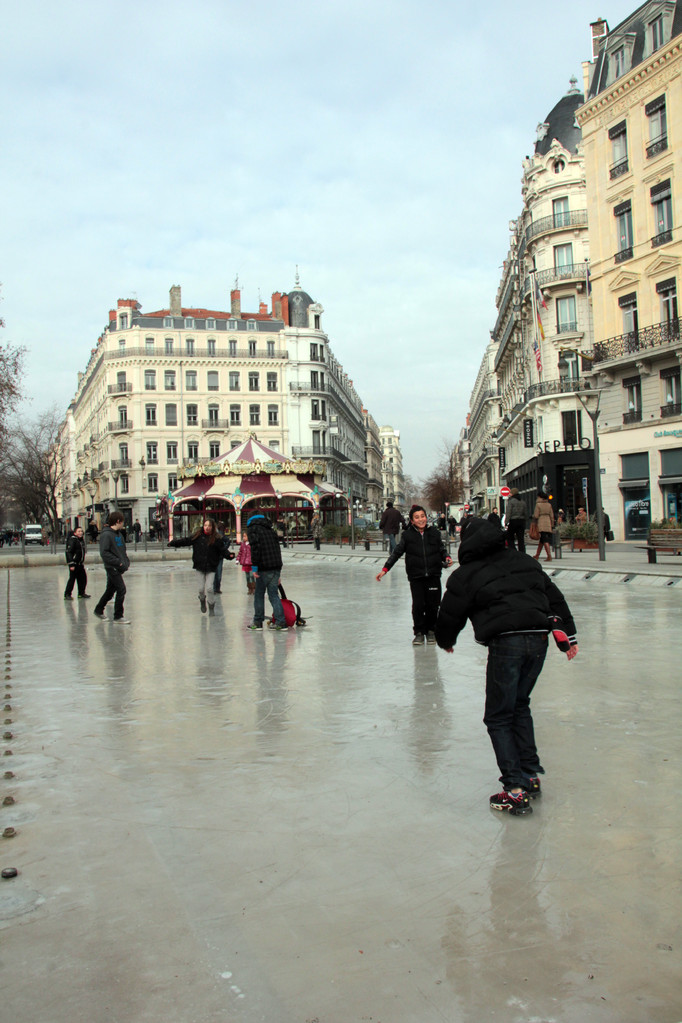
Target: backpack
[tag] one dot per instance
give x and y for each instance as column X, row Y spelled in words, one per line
column 292, row 610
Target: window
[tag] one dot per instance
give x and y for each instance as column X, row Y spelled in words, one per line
column 251, row 325
column 662, row 204
column 670, row 378
column 172, row 451
column 563, row 259
column 169, row 380
column 211, row 346
column 192, row 415
column 189, row 346
column 317, row 446
column 191, row 380
column 235, row 415
column 123, row 453
column 213, row 413
column 212, row 380
column 317, row 321
column 122, row 415
column 234, row 443
column 272, row 381
column 121, row 344
column 273, row 415
column 628, row 304
column 124, row 484
column 210, row 324
column 214, row 449
column 656, row 30
column 121, row 381
column 560, row 213
column 566, row 315
column 152, row 453
column 192, row 450
column 313, row 353
column 270, row 348
column 231, row 324
column 668, row 293
column 124, row 321
column 254, row 383
column 153, row 482
column 635, row 466
column 619, row 149
column 572, row 428
column 252, row 348
column 150, row 380
column 658, row 127
column 318, row 409
column 618, row 59
column 254, row 415
column 623, row 215
column 172, row 481
column 149, row 345
column 168, row 346
column 150, row 415
column 314, row 380
column 633, row 400
column 232, row 347
column 570, row 372
column 189, row 322
column 171, row 415
column 168, row 321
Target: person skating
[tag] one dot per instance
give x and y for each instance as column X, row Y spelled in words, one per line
column 112, row 549
column 266, row 568
column 75, row 559
column 207, row 551
column 512, row 605
column 425, row 556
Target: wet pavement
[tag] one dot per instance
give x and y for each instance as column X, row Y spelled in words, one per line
column 216, row 825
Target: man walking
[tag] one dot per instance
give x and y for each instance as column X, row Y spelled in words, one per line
column 266, row 567
column 390, row 524
column 112, row 549
column 512, row 605
column 517, row 514
column 75, row 558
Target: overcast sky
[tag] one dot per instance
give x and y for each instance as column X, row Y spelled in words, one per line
column 377, row 145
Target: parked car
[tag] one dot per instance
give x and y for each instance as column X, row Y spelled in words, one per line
column 33, row 533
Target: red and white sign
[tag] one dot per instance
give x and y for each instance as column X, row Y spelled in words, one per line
column 505, row 492
column 467, row 507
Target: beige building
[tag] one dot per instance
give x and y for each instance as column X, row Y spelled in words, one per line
column 485, row 417
column 632, row 134
column 392, row 466
column 373, row 461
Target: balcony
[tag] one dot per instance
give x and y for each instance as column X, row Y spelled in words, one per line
column 122, row 426
column 657, row 146
column 671, row 409
column 618, row 169
column 198, row 353
column 633, row 416
column 661, row 239
column 558, row 275
column 119, row 388
column 215, row 424
column 301, row 452
column 557, row 222
column 121, row 463
column 638, row 340
column 623, row 254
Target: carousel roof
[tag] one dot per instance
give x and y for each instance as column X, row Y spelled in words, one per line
column 251, row 451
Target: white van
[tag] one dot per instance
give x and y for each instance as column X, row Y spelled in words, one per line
column 33, row 533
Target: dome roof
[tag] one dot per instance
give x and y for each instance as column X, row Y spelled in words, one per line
column 299, row 302
column 560, row 124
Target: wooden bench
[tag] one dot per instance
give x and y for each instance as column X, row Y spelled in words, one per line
column 374, row 536
column 665, row 541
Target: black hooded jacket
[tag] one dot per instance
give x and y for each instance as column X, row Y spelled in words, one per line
column 425, row 553
column 266, row 554
column 205, row 555
column 500, row 590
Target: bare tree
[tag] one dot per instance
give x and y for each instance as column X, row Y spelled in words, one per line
column 444, row 484
column 11, row 374
column 32, row 470
column 411, row 491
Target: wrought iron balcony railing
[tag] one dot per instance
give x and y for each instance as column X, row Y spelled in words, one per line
column 657, row 146
column 122, row 426
column 557, row 222
column 671, row 409
column 633, row 416
column 638, row 340
column 661, row 239
column 622, row 167
column 623, row 254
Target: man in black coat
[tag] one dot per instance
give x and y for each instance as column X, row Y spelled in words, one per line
column 512, row 605
column 390, row 524
column 266, row 567
column 75, row 558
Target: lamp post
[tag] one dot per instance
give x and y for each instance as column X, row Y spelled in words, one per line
column 91, row 488
column 115, row 474
column 590, row 402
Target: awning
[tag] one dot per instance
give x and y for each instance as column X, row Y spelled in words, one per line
column 633, row 484
column 662, row 480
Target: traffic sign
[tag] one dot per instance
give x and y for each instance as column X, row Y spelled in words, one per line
column 505, row 492
column 467, row 507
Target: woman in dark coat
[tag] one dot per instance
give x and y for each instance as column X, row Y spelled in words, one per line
column 425, row 556
column 207, row 549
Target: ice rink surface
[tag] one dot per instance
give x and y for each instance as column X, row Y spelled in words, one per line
column 219, row 825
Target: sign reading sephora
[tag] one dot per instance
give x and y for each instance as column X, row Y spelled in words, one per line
column 528, row 425
column 551, row 447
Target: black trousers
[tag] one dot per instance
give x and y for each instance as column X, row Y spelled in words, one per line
column 426, row 594
column 115, row 585
column 80, row 576
column 516, row 531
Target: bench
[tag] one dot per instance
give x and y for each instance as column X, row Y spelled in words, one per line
column 665, row 541
column 374, row 536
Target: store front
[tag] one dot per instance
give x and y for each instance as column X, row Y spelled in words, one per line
column 566, row 474
column 670, row 482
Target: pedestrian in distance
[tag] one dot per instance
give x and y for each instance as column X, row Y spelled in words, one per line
column 224, row 554
column 425, row 557
column 316, row 529
column 244, row 559
column 266, row 567
column 494, row 517
column 516, row 515
column 207, row 551
column 390, row 524
column 75, row 559
column 513, row 606
column 112, row 550
column 137, row 530
column 544, row 514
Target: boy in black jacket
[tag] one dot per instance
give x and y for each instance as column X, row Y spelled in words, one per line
column 512, row 605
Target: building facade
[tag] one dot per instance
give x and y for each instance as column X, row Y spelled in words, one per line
column 485, row 417
column 392, row 466
column 373, row 461
column 180, row 386
column 632, row 130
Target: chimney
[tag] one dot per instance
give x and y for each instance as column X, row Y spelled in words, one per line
column 236, row 303
column 277, row 305
column 600, row 30
column 175, row 301
column 263, row 309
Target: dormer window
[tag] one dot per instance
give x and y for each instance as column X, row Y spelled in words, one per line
column 251, row 325
column 656, row 30
column 189, row 322
column 123, row 321
column 618, row 59
column 210, row 324
column 231, row 324
column 168, row 321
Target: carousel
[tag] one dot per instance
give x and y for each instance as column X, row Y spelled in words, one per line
column 253, row 478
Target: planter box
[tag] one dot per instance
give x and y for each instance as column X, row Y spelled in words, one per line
column 585, row 545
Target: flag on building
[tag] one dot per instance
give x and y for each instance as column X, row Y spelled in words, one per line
column 539, row 300
column 539, row 297
column 538, row 353
column 588, row 282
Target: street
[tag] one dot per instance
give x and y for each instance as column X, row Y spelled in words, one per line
column 216, row 825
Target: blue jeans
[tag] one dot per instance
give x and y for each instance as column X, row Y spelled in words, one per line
column 267, row 581
column 514, row 664
column 115, row 587
column 392, row 541
column 218, row 576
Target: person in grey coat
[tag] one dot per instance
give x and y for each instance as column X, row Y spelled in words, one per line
column 516, row 515
column 112, row 549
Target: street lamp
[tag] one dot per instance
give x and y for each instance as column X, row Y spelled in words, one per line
column 91, row 488
column 115, row 474
column 590, row 402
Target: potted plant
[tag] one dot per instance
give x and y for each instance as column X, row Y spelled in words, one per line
column 584, row 536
